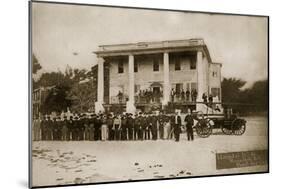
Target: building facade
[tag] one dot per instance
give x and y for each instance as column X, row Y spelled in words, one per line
column 138, row 75
column 39, row 95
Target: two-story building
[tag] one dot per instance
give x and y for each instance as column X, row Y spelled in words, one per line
column 140, row 75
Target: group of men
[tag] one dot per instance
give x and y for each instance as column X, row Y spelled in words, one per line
column 141, row 126
column 184, row 95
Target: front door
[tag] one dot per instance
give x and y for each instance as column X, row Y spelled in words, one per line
column 156, row 94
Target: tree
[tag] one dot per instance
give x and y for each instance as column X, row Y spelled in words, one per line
column 56, row 100
column 82, row 96
column 35, row 64
column 231, row 90
column 257, row 95
column 53, row 79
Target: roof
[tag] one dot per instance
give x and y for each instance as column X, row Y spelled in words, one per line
column 153, row 47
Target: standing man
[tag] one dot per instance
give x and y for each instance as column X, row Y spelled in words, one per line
column 116, row 127
column 137, row 127
column 69, row 134
column 182, row 95
column 49, row 129
column 173, row 94
column 110, row 127
column 36, row 131
column 64, row 130
column 177, row 126
column 161, row 125
column 204, row 97
column 86, row 127
column 97, row 125
column 154, row 127
column 189, row 125
column 130, row 125
column 81, row 126
column 147, row 126
column 187, row 95
column 124, row 127
column 43, row 128
column 142, row 126
column 91, row 127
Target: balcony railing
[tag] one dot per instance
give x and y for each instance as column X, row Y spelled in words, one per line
column 147, row 100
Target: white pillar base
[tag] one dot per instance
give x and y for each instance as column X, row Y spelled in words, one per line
column 130, row 107
column 99, row 107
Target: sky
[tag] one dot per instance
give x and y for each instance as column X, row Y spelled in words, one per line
column 68, row 34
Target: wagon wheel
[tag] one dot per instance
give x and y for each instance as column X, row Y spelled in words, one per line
column 238, row 127
column 203, row 128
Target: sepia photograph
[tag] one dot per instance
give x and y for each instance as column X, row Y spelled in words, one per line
column 123, row 94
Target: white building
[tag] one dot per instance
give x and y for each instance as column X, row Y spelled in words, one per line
column 132, row 69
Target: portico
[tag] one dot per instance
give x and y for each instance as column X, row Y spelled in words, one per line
column 144, row 63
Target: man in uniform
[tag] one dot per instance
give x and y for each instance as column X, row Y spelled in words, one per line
column 81, row 127
column 154, row 127
column 187, row 95
column 137, row 127
column 117, row 127
column 130, row 126
column 55, row 128
column 92, row 127
column 86, row 123
column 64, row 130
column 49, row 128
column 110, row 127
column 189, row 125
column 70, row 130
column 147, row 127
column 43, row 128
column 177, row 126
column 97, row 126
column 142, row 125
column 124, row 127
column 36, row 131
column 161, row 125
column 75, row 128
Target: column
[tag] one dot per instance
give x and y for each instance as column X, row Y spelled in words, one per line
column 166, row 86
column 130, row 107
column 100, row 89
column 200, row 76
column 200, row 83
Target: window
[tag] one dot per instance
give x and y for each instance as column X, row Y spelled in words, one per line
column 177, row 64
column 192, row 63
column 215, row 74
column 136, row 67
column 120, row 67
column 155, row 65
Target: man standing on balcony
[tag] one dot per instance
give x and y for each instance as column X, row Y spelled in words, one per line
column 120, row 97
column 187, row 94
column 173, row 94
